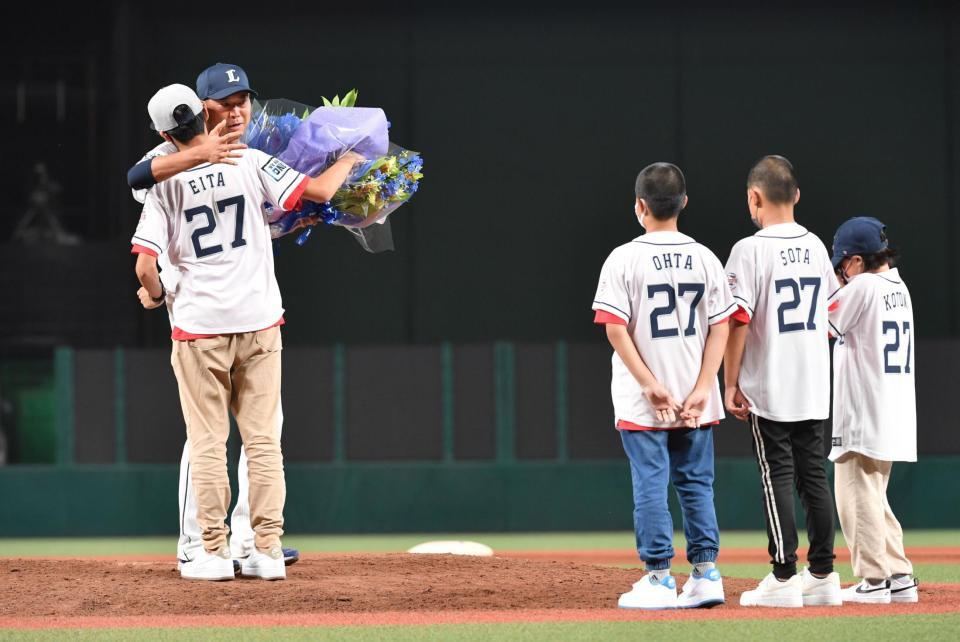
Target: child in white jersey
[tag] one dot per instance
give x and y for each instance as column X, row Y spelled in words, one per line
column 874, row 407
column 664, row 302
column 777, row 377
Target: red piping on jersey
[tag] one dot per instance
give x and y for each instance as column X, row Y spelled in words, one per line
column 834, row 306
column 294, row 197
column 741, row 315
column 139, row 249
column 626, row 425
column 183, row 335
column 603, row 317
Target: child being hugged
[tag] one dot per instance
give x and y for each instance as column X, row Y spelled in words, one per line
column 874, row 407
column 664, row 301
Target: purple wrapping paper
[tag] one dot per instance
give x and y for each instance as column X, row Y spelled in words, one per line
column 330, row 131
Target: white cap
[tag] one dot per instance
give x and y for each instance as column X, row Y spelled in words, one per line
column 163, row 103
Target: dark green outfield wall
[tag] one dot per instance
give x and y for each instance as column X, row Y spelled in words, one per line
column 419, row 497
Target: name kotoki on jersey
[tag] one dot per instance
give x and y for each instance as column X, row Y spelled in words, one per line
column 895, row 300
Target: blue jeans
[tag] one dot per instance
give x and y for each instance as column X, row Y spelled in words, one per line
column 685, row 457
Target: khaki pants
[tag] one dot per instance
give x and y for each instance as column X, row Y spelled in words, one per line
column 872, row 531
column 239, row 373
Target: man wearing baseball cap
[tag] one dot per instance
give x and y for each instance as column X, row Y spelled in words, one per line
column 874, row 407
column 225, row 93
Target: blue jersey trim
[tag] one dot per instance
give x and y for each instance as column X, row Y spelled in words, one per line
column 890, row 280
column 787, row 238
column 627, row 314
column 149, row 242
column 744, row 302
column 713, row 316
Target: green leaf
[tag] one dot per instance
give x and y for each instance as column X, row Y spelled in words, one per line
column 326, row 102
column 349, row 99
column 336, row 101
column 306, row 113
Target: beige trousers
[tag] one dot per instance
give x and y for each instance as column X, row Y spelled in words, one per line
column 872, row 531
column 238, row 373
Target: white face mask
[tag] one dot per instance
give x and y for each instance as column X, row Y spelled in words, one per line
column 640, row 217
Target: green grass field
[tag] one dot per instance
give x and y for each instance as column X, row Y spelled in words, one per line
column 834, row 628
column 873, row 629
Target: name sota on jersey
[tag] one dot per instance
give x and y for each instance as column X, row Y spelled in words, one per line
column 781, row 278
column 667, row 289
column 210, row 224
column 874, row 394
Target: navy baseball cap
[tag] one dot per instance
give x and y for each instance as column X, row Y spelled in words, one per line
column 859, row 235
column 222, row 80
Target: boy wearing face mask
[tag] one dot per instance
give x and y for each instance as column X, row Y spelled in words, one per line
column 777, row 378
column 664, row 302
column 874, row 407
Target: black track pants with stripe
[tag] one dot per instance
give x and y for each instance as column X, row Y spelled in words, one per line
column 788, row 454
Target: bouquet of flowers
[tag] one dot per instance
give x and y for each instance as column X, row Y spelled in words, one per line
column 310, row 140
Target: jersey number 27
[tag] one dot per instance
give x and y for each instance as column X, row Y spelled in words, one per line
column 234, row 201
column 696, row 289
column 795, row 289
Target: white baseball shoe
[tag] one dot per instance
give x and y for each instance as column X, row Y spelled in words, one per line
column 702, row 591
column 867, row 593
column 904, row 589
column 651, row 593
column 820, row 591
column 216, row 566
column 265, row 565
column 774, row 593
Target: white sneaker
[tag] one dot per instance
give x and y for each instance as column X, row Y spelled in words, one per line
column 215, row 566
column 266, row 566
column 773, row 592
column 701, row 591
column 820, row 591
column 651, row 593
column 866, row 593
column 904, row 589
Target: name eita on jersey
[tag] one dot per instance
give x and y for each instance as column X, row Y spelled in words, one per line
column 204, row 180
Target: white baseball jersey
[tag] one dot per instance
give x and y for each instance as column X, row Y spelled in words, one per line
column 210, row 223
column 874, row 399
column 782, row 278
column 669, row 290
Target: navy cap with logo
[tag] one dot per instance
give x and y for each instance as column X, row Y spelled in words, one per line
column 222, row 80
column 859, row 235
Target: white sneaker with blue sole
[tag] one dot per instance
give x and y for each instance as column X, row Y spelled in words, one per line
column 702, row 591
column 651, row 592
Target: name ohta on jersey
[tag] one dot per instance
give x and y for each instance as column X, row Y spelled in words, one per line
column 206, row 182
column 675, row 260
column 795, row 255
column 895, row 300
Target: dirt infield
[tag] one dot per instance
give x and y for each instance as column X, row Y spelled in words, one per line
column 359, row 589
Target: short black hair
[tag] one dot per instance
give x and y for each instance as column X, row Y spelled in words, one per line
column 663, row 187
column 189, row 125
column 776, row 178
column 886, row 256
